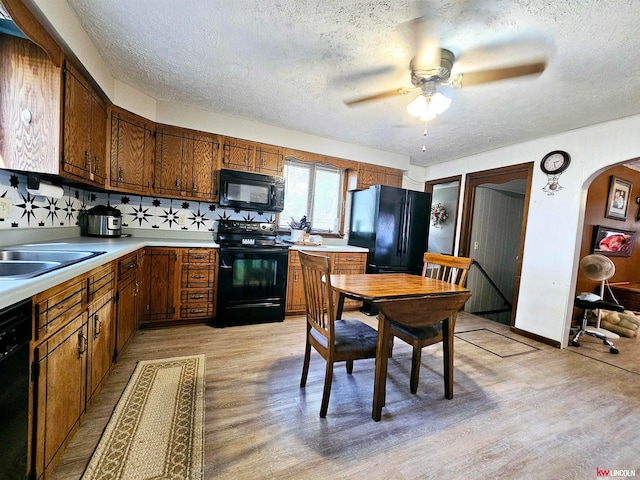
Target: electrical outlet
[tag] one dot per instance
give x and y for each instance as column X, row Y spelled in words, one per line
column 182, row 219
column 6, row 208
column 476, row 245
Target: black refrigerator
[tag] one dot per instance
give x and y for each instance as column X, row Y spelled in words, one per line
column 393, row 223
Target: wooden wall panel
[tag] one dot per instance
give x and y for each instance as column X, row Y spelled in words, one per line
column 626, row 267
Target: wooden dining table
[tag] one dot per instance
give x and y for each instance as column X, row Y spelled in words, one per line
column 377, row 287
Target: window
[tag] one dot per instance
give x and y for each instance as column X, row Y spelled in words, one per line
column 314, row 190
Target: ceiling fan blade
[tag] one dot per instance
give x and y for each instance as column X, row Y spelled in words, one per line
column 495, row 74
column 378, row 96
column 426, row 44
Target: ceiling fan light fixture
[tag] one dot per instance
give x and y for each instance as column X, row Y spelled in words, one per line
column 427, row 107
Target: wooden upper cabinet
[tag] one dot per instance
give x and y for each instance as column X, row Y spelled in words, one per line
column 250, row 156
column 238, row 154
column 269, row 160
column 185, row 164
column 366, row 175
column 84, row 131
column 30, row 96
column 132, row 152
column 171, row 149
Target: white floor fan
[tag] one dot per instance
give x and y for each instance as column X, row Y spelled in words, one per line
column 599, row 269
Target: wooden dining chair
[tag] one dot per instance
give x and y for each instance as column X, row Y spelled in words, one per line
column 435, row 314
column 336, row 340
column 441, row 267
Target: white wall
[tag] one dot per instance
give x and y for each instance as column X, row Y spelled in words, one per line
column 554, row 224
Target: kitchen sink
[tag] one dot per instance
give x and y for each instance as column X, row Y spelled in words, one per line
column 21, row 264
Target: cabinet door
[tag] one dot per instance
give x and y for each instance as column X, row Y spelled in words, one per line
column 101, row 343
column 126, row 301
column 349, row 263
column 238, row 155
column 295, row 302
column 29, row 82
column 269, row 161
column 170, row 162
column 201, row 176
column 132, row 152
column 98, row 142
column 77, row 126
column 84, row 131
column 59, row 391
column 160, row 285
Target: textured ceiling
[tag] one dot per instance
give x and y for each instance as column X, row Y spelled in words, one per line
column 291, row 63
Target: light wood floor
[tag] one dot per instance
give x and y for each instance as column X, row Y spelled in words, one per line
column 521, row 409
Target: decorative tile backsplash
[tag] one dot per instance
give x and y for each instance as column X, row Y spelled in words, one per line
column 31, row 211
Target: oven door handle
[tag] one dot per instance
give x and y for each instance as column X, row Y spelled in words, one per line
column 253, row 305
column 226, row 267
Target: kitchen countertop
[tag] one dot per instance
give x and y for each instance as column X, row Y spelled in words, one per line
column 13, row 291
column 329, row 248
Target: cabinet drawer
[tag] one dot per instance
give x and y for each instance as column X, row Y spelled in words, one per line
column 294, row 258
column 195, row 276
column 198, row 255
column 100, row 282
column 193, row 296
column 127, row 264
column 349, row 260
column 196, row 311
column 55, row 307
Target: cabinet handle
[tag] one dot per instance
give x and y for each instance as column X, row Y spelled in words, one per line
column 197, row 257
column 196, row 297
column 136, row 289
column 246, row 158
column 97, row 326
column 82, row 344
column 193, row 186
column 95, row 164
column 194, row 310
column 87, row 162
column 295, row 276
column 120, row 174
column 177, row 183
column 131, row 265
column 198, row 276
column 262, row 161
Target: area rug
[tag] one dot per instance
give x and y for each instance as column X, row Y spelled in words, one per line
column 495, row 343
column 157, row 428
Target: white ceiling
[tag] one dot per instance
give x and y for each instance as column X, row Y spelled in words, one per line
column 291, row 63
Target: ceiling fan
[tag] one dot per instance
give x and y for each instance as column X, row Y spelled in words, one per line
column 432, row 67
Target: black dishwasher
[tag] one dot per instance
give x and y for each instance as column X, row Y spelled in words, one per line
column 15, row 334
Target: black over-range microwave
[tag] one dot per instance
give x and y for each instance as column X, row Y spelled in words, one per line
column 251, row 191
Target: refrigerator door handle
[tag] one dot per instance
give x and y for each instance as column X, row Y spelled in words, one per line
column 400, row 240
column 407, row 226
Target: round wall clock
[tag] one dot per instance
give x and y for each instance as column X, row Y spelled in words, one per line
column 553, row 164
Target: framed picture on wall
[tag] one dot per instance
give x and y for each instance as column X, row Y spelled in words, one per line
column 618, row 199
column 612, row 241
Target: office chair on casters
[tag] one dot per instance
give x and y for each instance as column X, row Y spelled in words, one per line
column 598, row 268
column 597, row 331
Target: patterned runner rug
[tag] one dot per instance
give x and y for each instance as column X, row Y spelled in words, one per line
column 156, row 430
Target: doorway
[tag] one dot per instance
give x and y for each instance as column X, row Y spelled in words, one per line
column 493, row 231
column 445, row 192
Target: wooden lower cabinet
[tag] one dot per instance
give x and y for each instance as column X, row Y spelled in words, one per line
column 295, row 302
column 71, row 354
column 179, row 285
column 126, row 305
column 61, row 364
column 341, row 262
